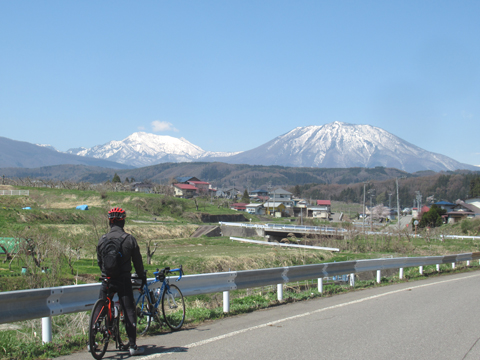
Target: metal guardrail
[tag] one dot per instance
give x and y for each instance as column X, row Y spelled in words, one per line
column 459, row 237
column 15, row 192
column 310, row 247
column 40, row 303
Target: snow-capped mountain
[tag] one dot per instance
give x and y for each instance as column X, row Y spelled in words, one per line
column 342, row 145
column 47, row 146
column 334, row 145
column 143, row 149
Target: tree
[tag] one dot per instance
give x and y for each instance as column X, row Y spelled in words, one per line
column 433, row 217
column 116, row 179
column 245, row 197
column 380, row 211
column 297, row 192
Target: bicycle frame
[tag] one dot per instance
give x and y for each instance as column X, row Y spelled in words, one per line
column 165, row 284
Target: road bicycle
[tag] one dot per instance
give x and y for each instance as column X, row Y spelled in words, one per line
column 169, row 295
column 105, row 325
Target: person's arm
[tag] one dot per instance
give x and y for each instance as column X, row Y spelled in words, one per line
column 137, row 259
column 99, row 258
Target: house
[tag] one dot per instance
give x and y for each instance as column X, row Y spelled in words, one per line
column 321, row 210
column 301, row 203
column 258, row 193
column 202, row 186
column 185, row 191
column 462, row 210
column 185, row 179
column 238, row 206
column 475, row 202
column 416, row 213
column 445, row 205
column 325, row 205
column 229, row 193
column 392, row 215
column 255, row 209
column 280, row 195
column 318, row 212
column 141, row 187
column 276, row 209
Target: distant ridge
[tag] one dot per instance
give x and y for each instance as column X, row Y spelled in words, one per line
column 22, row 154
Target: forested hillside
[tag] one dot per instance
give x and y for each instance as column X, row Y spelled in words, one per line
column 310, row 183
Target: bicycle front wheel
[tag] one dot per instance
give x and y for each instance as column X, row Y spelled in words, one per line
column 143, row 315
column 173, row 307
column 98, row 334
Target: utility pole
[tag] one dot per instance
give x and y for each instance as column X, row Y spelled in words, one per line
column 398, row 208
column 363, row 216
column 371, row 192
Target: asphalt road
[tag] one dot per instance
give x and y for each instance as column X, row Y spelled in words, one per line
column 437, row 318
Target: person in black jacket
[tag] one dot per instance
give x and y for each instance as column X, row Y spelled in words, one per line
column 121, row 281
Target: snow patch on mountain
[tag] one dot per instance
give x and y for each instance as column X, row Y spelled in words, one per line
column 144, row 149
column 343, row 145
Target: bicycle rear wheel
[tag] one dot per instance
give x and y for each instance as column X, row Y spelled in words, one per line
column 173, row 307
column 143, row 315
column 98, row 333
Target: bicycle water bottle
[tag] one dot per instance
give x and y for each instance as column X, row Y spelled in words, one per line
column 157, row 294
column 116, row 309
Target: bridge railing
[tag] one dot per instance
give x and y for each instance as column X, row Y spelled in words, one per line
column 44, row 303
column 303, row 228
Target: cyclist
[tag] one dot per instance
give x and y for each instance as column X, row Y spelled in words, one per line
column 121, row 280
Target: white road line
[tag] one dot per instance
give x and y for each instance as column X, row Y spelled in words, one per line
column 234, row 333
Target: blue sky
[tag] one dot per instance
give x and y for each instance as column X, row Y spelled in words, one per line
column 232, row 75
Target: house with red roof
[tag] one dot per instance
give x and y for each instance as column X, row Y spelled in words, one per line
column 185, row 191
column 239, row 206
column 202, row 186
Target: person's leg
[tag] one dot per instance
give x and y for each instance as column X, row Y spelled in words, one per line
column 125, row 296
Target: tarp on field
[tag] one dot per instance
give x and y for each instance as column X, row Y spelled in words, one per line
column 8, row 243
column 82, row 207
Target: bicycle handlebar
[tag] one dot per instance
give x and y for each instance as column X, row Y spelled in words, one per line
column 167, row 271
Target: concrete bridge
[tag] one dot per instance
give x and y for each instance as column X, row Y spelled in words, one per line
column 274, row 232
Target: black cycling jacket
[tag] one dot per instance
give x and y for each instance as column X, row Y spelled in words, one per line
column 130, row 251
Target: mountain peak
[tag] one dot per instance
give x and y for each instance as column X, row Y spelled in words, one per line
column 333, row 145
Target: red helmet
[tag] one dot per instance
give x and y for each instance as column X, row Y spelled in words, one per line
column 117, row 213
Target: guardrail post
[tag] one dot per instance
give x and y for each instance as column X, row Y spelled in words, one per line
column 468, row 262
column 400, row 275
column 279, row 292
column 320, row 285
column 47, row 329
column 379, row 276
column 226, row 301
column 420, row 269
column 352, row 279
column 438, row 267
column 453, row 265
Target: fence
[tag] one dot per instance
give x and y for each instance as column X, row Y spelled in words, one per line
column 45, row 303
column 15, row 192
